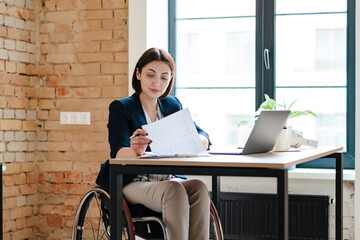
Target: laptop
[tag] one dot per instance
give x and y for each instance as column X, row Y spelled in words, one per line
column 263, row 136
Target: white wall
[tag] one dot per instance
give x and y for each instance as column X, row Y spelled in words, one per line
column 147, row 28
column 357, row 130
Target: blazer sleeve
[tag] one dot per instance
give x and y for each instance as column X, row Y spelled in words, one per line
column 119, row 128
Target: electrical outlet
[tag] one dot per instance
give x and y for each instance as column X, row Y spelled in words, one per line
column 77, row 118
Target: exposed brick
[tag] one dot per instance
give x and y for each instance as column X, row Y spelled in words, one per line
column 64, row 5
column 64, row 27
column 10, row 67
column 46, row 93
column 88, row 4
column 87, row 47
column 94, row 35
column 114, row 46
column 30, row 126
column 60, row 16
column 60, row 58
column 17, row 103
column 55, row 221
column 113, row 4
column 62, row 69
column 114, row 68
column 88, row 92
column 45, row 70
column 114, row 91
column 95, row 14
column 72, row 177
column 85, row 69
column 63, row 92
column 10, row 124
column 89, row 25
column 46, row 104
column 95, row 57
column 47, row 27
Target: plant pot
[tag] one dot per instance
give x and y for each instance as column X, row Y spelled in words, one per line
column 283, row 141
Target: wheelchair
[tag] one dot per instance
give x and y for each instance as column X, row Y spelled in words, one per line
column 92, row 220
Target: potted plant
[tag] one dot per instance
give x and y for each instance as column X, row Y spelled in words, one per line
column 283, row 143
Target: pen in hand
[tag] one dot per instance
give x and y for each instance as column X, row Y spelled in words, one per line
column 137, row 135
column 132, row 136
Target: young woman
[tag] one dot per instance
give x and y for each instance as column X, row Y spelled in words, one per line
column 185, row 204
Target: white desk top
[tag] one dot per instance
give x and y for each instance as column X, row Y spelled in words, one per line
column 260, row 160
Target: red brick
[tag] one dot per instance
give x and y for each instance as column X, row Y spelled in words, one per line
column 55, row 221
column 45, row 70
column 89, row 177
column 72, row 177
column 64, row 27
column 56, row 209
column 88, row 4
column 18, row 34
column 10, row 67
column 90, row 25
column 62, row 69
column 95, row 14
column 9, row 180
column 63, row 92
column 18, row 103
column 88, row 93
column 114, row 4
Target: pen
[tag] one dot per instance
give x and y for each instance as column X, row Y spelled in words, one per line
column 186, row 155
column 135, row 136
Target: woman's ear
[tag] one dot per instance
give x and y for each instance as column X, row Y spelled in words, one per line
column 137, row 74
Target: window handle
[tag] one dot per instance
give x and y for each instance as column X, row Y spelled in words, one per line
column 266, row 59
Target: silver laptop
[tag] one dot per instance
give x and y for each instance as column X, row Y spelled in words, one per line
column 263, row 136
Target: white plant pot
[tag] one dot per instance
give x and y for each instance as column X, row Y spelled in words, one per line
column 283, row 141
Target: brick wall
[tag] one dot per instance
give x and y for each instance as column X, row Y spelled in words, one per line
column 56, row 56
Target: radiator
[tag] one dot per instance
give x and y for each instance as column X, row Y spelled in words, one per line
column 253, row 216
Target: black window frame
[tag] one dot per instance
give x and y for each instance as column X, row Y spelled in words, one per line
column 265, row 38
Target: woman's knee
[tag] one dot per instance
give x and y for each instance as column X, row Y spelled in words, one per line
column 175, row 190
column 199, row 187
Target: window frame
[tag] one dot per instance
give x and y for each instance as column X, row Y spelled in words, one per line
column 266, row 79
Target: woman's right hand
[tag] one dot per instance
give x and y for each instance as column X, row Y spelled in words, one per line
column 139, row 141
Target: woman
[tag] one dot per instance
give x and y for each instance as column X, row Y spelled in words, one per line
column 185, row 204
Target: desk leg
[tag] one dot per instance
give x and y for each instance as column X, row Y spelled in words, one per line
column 283, row 205
column 216, row 193
column 116, row 183
column 339, row 196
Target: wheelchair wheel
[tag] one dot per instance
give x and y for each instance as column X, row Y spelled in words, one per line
column 92, row 218
column 216, row 232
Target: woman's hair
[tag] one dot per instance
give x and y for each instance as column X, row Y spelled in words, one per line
column 150, row 55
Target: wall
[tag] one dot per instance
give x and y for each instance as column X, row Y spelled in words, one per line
column 57, row 56
column 18, row 117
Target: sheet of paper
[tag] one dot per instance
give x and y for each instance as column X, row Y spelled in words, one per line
column 175, row 135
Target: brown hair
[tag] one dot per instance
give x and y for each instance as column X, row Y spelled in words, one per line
column 154, row 54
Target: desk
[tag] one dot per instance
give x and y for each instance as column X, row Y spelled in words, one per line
column 271, row 164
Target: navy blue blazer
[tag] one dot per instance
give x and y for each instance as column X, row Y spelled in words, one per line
column 125, row 116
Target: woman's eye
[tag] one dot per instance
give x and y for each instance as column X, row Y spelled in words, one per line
column 150, row 75
column 164, row 78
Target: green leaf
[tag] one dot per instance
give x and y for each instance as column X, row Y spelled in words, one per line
column 291, row 104
column 242, row 123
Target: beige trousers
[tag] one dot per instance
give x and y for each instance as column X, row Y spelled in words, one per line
column 185, row 205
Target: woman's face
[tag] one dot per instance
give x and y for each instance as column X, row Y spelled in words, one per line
column 154, row 78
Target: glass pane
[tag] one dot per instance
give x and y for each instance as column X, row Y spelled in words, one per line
column 216, row 53
column 214, row 8
column 218, row 112
column 306, row 6
column 329, row 104
column 311, row 50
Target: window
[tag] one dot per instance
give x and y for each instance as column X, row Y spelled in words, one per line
column 221, row 76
